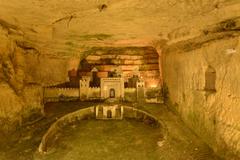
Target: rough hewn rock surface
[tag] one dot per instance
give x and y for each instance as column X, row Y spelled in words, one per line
column 142, row 61
column 18, row 98
column 66, row 27
column 212, row 114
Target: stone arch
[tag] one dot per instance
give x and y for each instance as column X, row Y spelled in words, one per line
column 210, row 79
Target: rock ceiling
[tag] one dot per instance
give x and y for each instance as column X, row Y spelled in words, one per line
column 66, row 27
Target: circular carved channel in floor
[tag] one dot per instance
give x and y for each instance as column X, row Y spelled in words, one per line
column 106, row 140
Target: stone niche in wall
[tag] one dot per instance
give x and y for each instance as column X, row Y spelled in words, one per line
column 210, row 79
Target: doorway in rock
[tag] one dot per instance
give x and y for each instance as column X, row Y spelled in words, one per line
column 112, row 93
column 109, row 114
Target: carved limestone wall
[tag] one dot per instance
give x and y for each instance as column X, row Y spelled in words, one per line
column 33, row 98
column 67, row 94
column 94, row 92
column 212, row 114
column 109, row 112
column 18, row 98
column 58, row 94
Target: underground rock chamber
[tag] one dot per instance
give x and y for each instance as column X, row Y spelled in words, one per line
column 175, row 60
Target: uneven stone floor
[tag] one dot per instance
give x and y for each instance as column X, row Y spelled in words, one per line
column 111, row 139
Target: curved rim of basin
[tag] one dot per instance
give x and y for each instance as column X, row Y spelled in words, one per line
column 87, row 113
